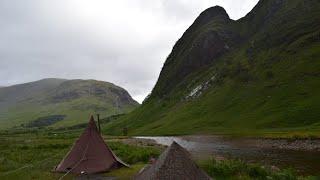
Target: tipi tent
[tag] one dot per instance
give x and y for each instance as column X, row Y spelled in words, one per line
column 90, row 154
column 174, row 163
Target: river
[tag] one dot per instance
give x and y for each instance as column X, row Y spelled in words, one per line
column 306, row 162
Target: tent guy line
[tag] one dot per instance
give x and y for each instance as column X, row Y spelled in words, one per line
column 83, row 157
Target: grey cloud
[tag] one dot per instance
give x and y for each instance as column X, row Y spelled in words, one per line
column 124, row 42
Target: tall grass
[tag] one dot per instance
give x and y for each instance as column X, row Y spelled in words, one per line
column 133, row 154
column 237, row 169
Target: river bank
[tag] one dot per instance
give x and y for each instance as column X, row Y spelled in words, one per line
column 300, row 154
column 283, row 143
column 298, row 144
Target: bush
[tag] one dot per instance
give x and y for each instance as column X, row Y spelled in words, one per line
column 269, row 75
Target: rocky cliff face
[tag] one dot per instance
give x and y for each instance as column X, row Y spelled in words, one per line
column 200, row 45
column 73, row 89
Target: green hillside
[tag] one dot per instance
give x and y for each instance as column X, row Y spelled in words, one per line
column 60, row 103
column 258, row 74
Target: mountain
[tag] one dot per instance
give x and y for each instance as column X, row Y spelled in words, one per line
column 258, row 74
column 60, row 102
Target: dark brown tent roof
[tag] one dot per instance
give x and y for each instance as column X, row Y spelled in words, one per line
column 89, row 154
column 174, row 163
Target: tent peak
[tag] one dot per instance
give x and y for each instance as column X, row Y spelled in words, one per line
column 174, row 163
column 89, row 154
column 91, row 118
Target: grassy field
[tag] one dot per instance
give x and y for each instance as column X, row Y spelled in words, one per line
column 34, row 155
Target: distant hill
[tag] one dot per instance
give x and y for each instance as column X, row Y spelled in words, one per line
column 260, row 73
column 60, row 102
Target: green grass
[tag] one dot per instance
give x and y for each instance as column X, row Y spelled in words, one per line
column 237, row 169
column 37, row 154
column 133, row 154
column 126, row 173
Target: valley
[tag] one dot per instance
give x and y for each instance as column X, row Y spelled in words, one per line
column 235, row 99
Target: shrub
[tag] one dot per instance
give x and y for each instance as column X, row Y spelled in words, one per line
column 269, row 75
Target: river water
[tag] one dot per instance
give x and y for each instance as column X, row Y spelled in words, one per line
column 202, row 147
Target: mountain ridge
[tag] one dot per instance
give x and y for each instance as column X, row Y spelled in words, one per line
column 68, row 101
column 256, row 74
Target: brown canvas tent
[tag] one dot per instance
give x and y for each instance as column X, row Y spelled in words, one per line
column 174, row 163
column 90, row 154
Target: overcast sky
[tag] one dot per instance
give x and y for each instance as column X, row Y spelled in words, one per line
column 122, row 41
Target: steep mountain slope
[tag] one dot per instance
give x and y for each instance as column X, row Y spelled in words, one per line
column 257, row 74
column 60, row 102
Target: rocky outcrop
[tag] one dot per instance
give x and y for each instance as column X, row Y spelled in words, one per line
column 197, row 48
